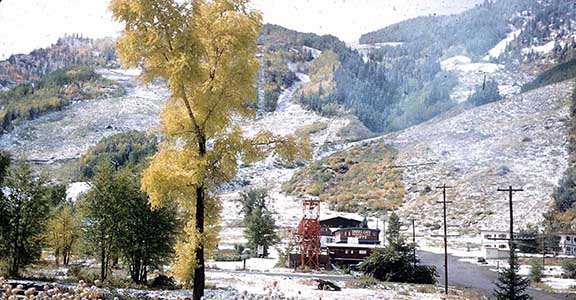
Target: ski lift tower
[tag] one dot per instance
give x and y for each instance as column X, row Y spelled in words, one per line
column 308, row 234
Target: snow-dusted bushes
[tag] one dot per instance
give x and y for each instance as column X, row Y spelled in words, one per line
column 82, row 291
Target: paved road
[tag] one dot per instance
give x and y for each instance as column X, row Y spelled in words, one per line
column 464, row 275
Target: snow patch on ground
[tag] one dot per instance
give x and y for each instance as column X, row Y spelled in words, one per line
column 315, row 52
column 288, row 117
column 76, row 189
column 560, row 283
column 542, row 49
column 501, row 46
column 295, row 286
column 471, row 74
column 464, row 64
column 519, row 141
column 366, row 49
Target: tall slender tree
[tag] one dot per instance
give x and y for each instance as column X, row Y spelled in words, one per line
column 24, row 212
column 206, row 52
column 258, row 220
column 394, row 225
column 101, row 212
column 63, row 231
column 147, row 236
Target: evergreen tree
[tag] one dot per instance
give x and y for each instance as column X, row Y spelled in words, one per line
column 393, row 230
column 57, row 194
column 510, row 285
column 252, row 199
column 258, row 220
column 564, row 194
column 126, row 150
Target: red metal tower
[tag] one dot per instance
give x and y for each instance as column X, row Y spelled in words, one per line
column 308, row 234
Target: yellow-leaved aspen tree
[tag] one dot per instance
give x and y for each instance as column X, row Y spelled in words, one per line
column 205, row 50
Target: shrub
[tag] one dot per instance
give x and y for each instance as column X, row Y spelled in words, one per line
column 486, row 93
column 227, row 255
column 311, row 129
column 163, row 282
column 395, row 263
column 535, row 273
column 569, row 268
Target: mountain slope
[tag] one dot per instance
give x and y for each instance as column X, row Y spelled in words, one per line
column 557, row 73
column 519, row 141
column 67, row 51
column 474, row 31
column 67, row 134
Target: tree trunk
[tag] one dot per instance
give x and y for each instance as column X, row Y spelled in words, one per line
column 199, row 272
column 57, row 256
column 15, row 264
column 102, row 263
column 199, row 276
column 66, row 257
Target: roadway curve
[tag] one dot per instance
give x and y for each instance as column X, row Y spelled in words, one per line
column 463, row 275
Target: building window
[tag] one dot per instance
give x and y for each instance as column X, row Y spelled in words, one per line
column 487, row 236
column 502, row 236
column 502, row 246
column 568, row 250
column 488, row 246
column 362, row 252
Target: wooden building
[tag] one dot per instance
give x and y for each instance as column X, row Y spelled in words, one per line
column 339, row 222
column 349, row 254
column 364, row 235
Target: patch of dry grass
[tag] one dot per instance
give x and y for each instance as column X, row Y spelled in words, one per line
column 361, row 177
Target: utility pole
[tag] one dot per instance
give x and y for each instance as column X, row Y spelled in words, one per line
column 444, row 202
column 543, row 250
column 384, row 216
column 510, row 192
column 414, row 240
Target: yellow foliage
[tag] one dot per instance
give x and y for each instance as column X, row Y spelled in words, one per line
column 185, row 259
column 322, row 74
column 206, row 52
column 62, row 231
